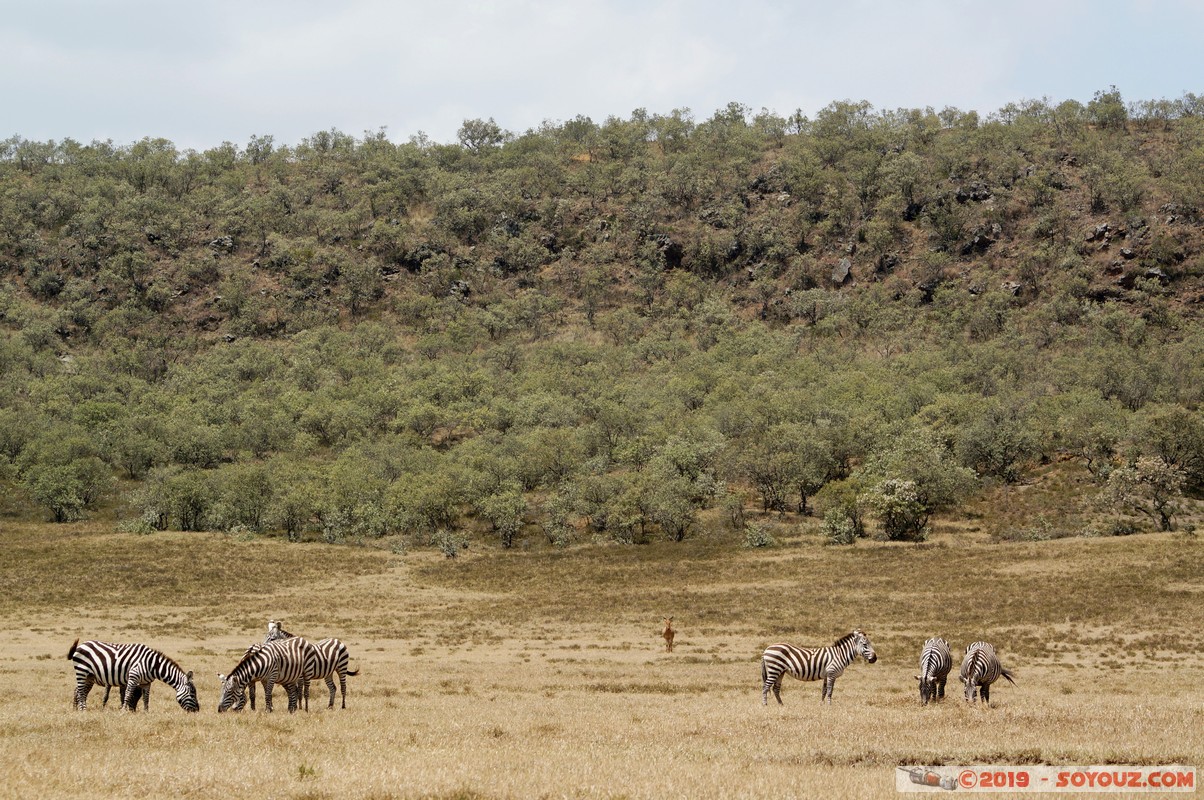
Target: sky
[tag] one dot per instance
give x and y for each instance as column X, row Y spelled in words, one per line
column 211, row 71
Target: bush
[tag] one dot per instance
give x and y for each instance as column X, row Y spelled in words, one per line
column 838, row 527
column 756, row 534
column 449, row 542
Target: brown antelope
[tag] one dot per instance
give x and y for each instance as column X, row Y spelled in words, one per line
column 668, row 633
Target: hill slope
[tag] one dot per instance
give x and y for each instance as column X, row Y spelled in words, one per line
column 631, row 329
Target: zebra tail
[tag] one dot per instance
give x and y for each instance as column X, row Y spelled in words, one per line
column 353, row 672
column 1007, row 674
column 71, row 652
column 764, row 674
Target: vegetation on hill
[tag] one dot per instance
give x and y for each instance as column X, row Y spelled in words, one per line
column 632, row 329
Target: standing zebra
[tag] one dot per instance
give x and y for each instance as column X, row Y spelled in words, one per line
column 288, row 662
column 332, row 659
column 935, row 663
column 980, row 668
column 131, row 666
column 812, row 663
column 276, row 632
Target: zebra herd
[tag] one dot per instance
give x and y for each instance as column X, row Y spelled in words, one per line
column 281, row 659
column 980, row 667
column 293, row 661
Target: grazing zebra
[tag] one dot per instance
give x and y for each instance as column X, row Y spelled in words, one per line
column 935, row 663
column 668, row 633
column 812, row 663
column 332, row 659
column 131, row 666
column 980, row 668
column 288, row 662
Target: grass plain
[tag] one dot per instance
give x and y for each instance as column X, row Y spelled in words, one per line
column 541, row 672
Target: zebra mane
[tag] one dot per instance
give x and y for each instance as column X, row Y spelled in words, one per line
column 171, row 661
column 848, row 637
column 247, row 656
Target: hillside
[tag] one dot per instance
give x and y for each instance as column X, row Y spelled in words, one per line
column 646, row 328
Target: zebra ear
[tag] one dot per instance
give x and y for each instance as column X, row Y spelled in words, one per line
column 189, row 675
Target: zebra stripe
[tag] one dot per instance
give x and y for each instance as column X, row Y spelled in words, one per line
column 133, row 667
column 935, row 662
column 812, row 663
column 288, row 662
column 980, row 668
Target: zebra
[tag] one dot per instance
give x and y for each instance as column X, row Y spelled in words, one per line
column 935, row 663
column 131, row 666
column 980, row 668
column 812, row 663
column 332, row 660
column 288, row 662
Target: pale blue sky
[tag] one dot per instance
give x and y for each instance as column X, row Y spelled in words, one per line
column 201, row 73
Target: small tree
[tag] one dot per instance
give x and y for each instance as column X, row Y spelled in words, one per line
column 1150, row 486
column 504, row 511
column 904, row 517
column 67, row 489
column 839, row 527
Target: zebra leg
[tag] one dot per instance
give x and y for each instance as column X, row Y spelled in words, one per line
column 105, row 703
column 940, row 689
column 251, row 691
column 129, row 700
column 82, row 688
column 267, row 694
column 294, row 691
column 986, row 694
column 330, row 686
column 342, row 690
column 829, row 684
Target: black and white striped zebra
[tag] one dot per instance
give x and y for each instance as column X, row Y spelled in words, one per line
column 812, row 663
column 980, row 668
column 935, row 662
column 276, row 632
column 333, row 659
column 133, row 667
column 288, row 662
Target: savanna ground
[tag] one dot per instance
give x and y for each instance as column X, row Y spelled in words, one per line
column 540, row 672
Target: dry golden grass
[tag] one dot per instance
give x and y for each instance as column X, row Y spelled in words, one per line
column 543, row 674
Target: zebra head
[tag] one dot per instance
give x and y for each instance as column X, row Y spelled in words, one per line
column 186, row 694
column 233, row 691
column 926, row 688
column 863, row 648
column 241, row 702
